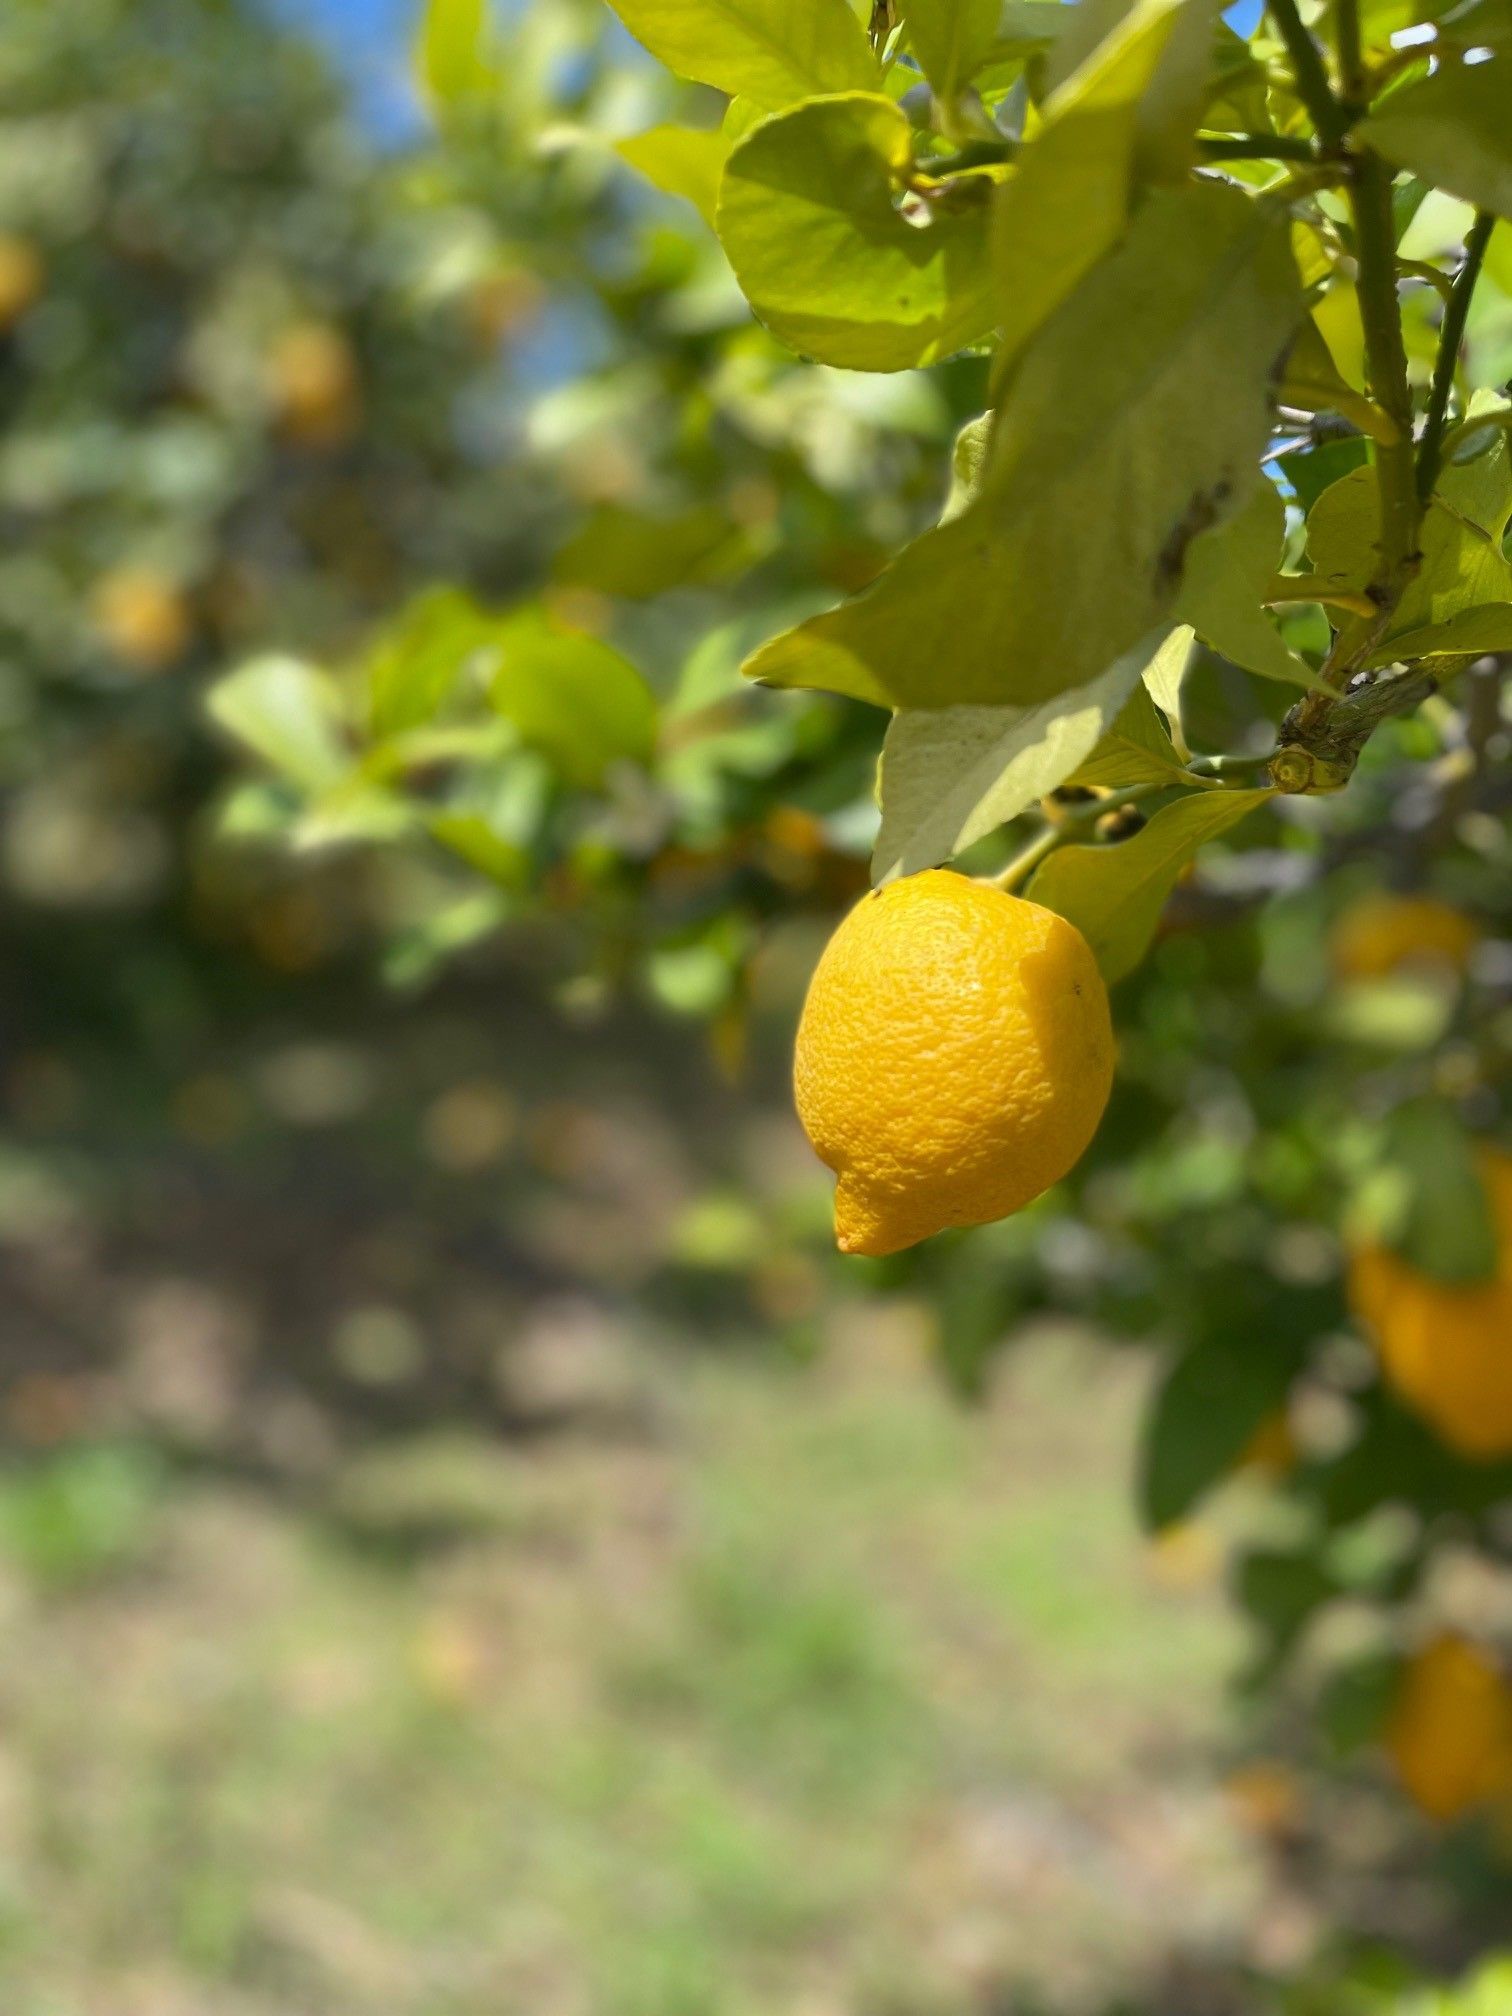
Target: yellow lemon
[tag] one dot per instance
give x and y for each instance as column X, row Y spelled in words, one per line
column 22, row 276
column 954, row 1057
column 1450, row 1730
column 1382, row 934
column 315, row 385
column 1447, row 1346
column 142, row 616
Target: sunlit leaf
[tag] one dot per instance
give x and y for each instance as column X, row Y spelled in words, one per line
column 289, row 714
column 1454, row 129
column 1044, row 579
column 453, row 52
column 1068, row 200
column 1463, row 569
column 682, row 161
column 951, row 38
column 811, row 218
column 1164, row 675
column 773, row 52
column 1313, row 380
column 1114, row 895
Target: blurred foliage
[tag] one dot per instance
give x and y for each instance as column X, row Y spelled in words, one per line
column 461, row 481
column 1294, row 1080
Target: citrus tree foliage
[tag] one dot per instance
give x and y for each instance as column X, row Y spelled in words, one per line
column 1226, row 324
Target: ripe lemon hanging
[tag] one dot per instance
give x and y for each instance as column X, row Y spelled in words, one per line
column 1447, row 1346
column 1450, row 1730
column 954, row 1057
column 1384, row 934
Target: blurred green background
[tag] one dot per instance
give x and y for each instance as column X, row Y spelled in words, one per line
column 466, row 1544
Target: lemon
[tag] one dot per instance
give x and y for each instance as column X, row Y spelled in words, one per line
column 1447, row 1346
column 1450, row 1730
column 315, row 384
column 1384, row 934
column 22, row 277
column 142, row 616
column 954, row 1057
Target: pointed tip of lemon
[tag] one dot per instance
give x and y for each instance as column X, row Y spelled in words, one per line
column 864, row 1231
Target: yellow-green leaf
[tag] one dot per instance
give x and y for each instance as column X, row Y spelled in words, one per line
column 810, row 219
column 452, row 51
column 771, row 51
column 1067, row 202
column 1164, row 676
column 1228, row 571
column 682, row 161
column 1454, row 130
column 952, row 39
column 288, row 713
column 1114, row 895
column 1107, row 459
column 1136, row 748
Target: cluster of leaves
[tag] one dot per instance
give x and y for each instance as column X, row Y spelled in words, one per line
column 1237, row 506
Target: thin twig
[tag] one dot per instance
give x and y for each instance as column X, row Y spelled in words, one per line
column 1451, row 335
column 1311, row 79
column 1255, row 147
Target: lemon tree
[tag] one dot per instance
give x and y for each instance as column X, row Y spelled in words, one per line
column 1191, row 644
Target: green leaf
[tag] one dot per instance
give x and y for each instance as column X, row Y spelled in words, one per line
column 1469, row 632
column 1068, row 201
column 572, row 697
column 618, row 551
column 773, row 52
column 1135, row 748
column 1283, row 1591
column 289, row 714
column 1164, row 675
column 952, row 40
column 951, row 774
column 413, row 669
column 1424, row 1197
column 1355, row 1701
column 968, row 458
column 1311, row 470
column 1463, row 570
column 470, row 836
column 1228, row 571
column 682, row 161
column 1454, row 130
column 1114, row 895
column 1213, row 1397
column 810, row 219
column 453, row 53
column 1313, row 380
column 1107, row 459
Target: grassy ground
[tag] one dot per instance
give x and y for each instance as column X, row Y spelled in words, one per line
column 789, row 1689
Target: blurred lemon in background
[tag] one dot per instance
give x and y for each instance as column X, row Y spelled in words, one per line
column 22, row 277
column 1447, row 1346
column 1450, row 1732
column 142, row 616
column 1382, row 934
column 314, row 384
